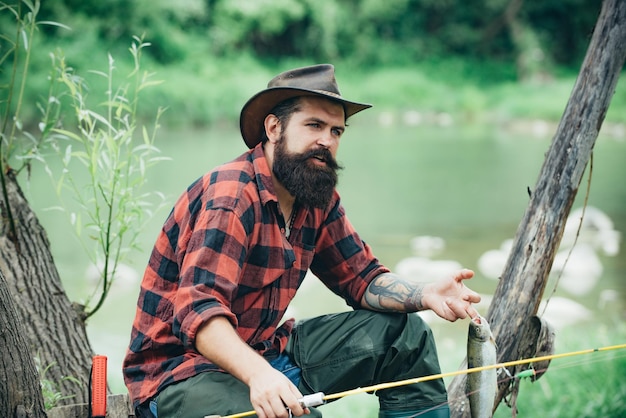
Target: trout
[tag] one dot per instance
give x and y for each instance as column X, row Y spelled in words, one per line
column 481, row 351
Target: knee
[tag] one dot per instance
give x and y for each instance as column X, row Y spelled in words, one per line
column 410, row 323
column 405, row 332
column 416, row 322
column 411, row 335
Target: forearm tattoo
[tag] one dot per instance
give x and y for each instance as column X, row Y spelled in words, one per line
column 389, row 292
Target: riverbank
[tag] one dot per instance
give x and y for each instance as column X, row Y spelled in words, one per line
column 468, row 92
column 200, row 92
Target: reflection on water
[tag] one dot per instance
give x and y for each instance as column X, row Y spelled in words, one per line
column 465, row 187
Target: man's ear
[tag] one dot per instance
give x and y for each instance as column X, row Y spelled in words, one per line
column 272, row 128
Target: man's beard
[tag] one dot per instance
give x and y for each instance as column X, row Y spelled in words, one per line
column 312, row 185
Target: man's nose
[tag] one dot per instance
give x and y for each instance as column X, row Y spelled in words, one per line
column 327, row 139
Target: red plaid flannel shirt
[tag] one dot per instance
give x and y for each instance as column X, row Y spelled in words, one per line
column 222, row 251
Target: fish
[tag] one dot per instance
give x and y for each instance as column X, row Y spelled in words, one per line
column 481, row 351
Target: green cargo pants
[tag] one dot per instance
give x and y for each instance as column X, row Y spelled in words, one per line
column 335, row 353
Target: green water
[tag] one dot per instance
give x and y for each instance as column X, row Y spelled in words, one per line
column 465, row 184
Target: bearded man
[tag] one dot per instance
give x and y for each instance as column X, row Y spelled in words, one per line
column 209, row 336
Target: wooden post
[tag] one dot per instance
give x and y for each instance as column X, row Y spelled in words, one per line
column 522, row 283
column 118, row 406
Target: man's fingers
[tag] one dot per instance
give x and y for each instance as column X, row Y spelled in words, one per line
column 278, row 408
column 471, row 312
column 458, row 310
column 295, row 406
column 461, row 310
column 472, row 297
column 464, row 274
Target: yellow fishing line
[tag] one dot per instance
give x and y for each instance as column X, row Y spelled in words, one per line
column 405, row 382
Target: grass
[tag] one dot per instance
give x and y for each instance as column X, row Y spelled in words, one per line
column 590, row 385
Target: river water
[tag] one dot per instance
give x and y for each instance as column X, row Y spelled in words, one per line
column 427, row 196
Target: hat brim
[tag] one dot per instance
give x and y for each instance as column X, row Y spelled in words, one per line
column 259, row 106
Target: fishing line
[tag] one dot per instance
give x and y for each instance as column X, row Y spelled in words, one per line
column 580, row 225
column 602, row 357
column 532, row 372
column 389, row 385
column 508, row 377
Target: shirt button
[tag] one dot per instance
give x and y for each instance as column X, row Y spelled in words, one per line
column 282, row 230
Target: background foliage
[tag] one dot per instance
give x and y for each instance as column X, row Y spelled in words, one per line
column 212, row 54
column 370, row 32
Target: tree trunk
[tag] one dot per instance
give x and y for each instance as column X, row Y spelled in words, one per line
column 20, row 393
column 521, row 286
column 55, row 332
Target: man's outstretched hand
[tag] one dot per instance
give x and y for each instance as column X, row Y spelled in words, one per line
column 450, row 298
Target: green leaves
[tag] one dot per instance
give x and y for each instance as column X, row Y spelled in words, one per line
column 103, row 159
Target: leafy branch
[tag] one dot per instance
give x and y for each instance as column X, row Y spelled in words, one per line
column 104, row 159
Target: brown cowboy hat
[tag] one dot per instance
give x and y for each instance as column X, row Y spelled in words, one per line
column 316, row 80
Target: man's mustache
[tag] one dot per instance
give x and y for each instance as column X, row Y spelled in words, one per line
column 323, row 154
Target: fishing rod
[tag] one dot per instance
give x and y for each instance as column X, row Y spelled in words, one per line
column 320, row 398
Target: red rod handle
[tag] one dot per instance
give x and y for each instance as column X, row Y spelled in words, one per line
column 99, row 387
